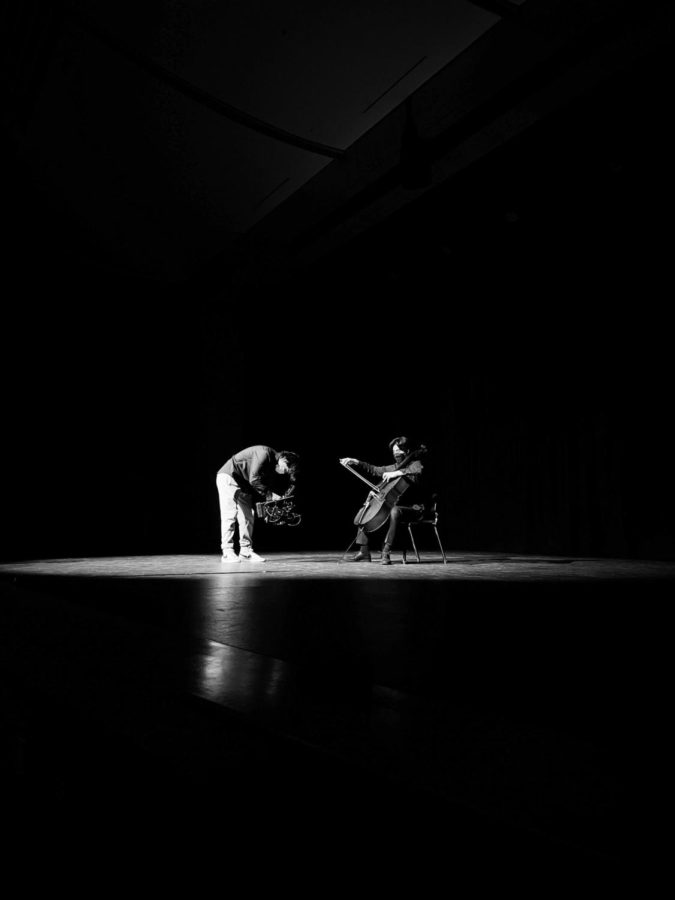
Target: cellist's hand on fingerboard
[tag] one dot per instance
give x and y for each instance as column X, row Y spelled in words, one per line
column 387, row 476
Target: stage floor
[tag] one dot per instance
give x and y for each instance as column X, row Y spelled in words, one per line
column 483, row 566
column 501, row 689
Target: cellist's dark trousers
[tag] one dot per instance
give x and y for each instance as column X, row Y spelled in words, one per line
column 399, row 514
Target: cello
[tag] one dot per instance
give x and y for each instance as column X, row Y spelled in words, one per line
column 379, row 502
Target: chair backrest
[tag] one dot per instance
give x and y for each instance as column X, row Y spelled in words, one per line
column 431, row 511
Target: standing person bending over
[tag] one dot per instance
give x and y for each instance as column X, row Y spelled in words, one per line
column 245, row 479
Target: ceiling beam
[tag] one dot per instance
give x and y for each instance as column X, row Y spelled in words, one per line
column 502, row 8
column 204, row 98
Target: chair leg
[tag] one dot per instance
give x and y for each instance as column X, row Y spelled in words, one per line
column 440, row 545
column 405, row 551
column 414, row 544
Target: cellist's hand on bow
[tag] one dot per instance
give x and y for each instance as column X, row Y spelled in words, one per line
column 348, row 461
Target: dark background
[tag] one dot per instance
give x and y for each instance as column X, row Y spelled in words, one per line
column 516, row 320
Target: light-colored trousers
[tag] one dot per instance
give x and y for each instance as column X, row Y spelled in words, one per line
column 235, row 506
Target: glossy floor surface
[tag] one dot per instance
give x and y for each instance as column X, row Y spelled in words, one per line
column 491, row 709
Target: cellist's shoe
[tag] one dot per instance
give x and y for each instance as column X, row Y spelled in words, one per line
column 386, row 558
column 361, row 557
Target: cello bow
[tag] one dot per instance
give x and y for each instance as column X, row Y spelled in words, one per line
column 374, row 487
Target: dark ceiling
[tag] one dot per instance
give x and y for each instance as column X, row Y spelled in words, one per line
column 171, row 140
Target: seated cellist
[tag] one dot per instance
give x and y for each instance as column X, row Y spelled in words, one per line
column 411, row 505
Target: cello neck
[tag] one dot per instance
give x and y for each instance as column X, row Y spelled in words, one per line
column 415, row 454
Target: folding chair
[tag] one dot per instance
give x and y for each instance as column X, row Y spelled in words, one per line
column 430, row 518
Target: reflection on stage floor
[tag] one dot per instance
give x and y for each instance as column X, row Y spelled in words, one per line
column 496, row 696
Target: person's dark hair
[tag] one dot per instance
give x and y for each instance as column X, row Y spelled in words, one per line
column 292, row 459
column 404, row 443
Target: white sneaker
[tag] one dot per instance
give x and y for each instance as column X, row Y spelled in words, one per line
column 230, row 556
column 250, row 556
